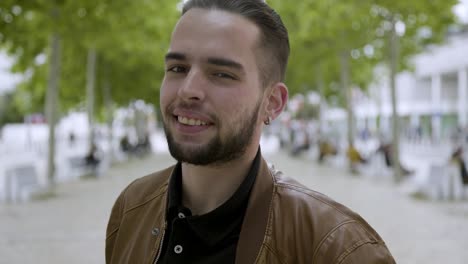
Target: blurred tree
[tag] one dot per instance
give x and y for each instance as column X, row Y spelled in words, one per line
column 336, row 41
column 9, row 111
column 324, row 36
column 406, row 28
column 331, row 42
column 127, row 39
column 353, row 27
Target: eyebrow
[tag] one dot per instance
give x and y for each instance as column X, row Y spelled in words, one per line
column 223, row 62
column 175, row 56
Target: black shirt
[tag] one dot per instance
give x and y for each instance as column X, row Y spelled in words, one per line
column 208, row 238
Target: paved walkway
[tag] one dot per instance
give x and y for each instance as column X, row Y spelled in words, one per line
column 70, row 227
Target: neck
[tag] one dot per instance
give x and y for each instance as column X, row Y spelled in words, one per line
column 204, row 188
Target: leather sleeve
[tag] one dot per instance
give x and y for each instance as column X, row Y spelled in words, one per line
column 113, row 226
column 353, row 242
column 369, row 253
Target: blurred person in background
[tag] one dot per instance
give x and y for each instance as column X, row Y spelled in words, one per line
column 125, row 145
column 221, row 202
column 354, row 158
column 386, row 149
column 301, row 141
column 92, row 159
column 326, row 148
column 457, row 158
column 71, row 139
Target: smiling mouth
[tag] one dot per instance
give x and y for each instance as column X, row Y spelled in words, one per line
column 190, row 121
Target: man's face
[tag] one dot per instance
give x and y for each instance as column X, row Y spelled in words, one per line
column 211, row 94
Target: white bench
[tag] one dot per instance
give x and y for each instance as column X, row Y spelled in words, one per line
column 445, row 183
column 378, row 168
column 21, row 182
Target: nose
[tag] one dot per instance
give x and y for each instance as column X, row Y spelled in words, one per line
column 192, row 87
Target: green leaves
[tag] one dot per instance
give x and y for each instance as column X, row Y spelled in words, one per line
column 321, row 30
column 130, row 37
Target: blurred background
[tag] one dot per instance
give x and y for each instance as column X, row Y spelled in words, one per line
column 377, row 118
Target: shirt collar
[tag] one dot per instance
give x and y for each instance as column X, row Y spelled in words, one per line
column 222, row 222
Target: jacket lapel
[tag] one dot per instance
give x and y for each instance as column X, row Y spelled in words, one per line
column 254, row 227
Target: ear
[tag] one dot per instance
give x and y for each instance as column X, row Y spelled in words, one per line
column 277, row 97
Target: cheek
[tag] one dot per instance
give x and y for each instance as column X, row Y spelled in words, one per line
column 166, row 94
column 229, row 102
column 236, row 111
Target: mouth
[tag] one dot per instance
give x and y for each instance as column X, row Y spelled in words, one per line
column 187, row 121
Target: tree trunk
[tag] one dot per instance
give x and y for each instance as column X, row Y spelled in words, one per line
column 51, row 105
column 395, row 124
column 109, row 113
column 321, row 90
column 344, row 63
column 90, row 84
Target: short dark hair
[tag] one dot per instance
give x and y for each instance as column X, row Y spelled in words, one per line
column 274, row 38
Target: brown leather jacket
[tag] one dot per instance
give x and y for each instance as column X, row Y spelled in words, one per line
column 285, row 223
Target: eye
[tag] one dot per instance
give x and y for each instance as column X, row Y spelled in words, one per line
column 176, row 69
column 224, row 75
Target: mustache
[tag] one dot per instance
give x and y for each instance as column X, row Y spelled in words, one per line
column 193, row 106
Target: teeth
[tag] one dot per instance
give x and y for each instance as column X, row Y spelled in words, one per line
column 190, row 122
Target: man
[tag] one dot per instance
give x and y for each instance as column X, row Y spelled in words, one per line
column 221, row 203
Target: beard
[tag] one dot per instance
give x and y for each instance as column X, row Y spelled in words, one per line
column 218, row 150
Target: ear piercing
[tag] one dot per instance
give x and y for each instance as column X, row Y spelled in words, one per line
column 268, row 121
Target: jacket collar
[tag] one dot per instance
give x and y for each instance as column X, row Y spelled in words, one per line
column 255, row 223
column 254, row 227
column 215, row 226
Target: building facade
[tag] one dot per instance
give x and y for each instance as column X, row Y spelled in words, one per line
column 432, row 100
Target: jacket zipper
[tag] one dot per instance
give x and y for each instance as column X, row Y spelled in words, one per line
column 160, row 244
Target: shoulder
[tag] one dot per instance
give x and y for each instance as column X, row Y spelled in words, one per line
column 313, row 205
column 138, row 206
column 138, row 193
column 145, row 189
column 325, row 231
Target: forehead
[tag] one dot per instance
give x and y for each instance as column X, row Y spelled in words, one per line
column 207, row 33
